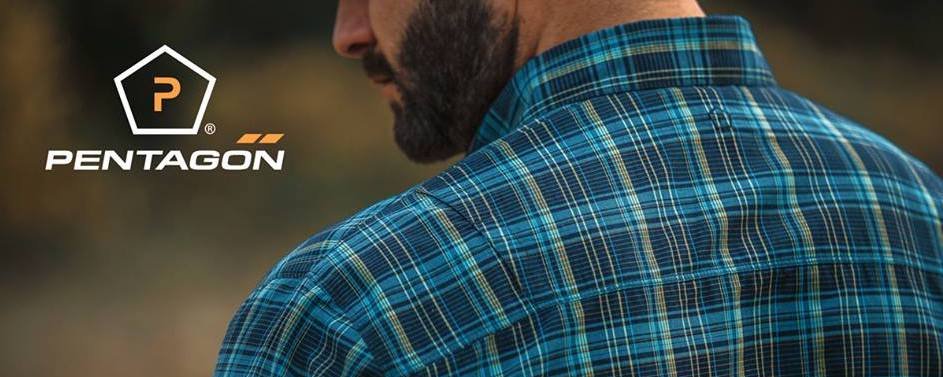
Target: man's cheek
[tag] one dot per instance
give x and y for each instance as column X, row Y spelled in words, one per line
column 389, row 20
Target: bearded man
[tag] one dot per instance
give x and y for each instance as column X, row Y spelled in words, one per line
column 638, row 197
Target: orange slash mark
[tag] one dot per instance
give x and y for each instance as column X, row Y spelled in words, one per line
column 271, row 138
column 248, row 138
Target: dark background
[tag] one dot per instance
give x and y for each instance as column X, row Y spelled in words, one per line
column 129, row 273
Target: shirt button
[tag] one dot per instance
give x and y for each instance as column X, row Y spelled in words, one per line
column 720, row 119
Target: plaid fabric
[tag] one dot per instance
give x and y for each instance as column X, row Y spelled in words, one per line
column 641, row 201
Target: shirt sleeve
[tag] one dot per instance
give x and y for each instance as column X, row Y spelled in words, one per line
column 288, row 327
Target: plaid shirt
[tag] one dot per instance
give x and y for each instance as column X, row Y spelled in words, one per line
column 643, row 200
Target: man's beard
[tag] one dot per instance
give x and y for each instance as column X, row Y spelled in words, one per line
column 455, row 58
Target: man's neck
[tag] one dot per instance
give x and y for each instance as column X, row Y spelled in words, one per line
column 548, row 23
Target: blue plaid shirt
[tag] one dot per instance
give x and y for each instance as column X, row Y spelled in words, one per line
column 641, row 201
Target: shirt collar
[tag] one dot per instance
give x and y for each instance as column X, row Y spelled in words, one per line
column 681, row 52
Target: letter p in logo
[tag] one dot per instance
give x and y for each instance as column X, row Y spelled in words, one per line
column 159, row 97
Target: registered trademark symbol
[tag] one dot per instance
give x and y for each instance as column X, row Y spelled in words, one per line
column 209, row 128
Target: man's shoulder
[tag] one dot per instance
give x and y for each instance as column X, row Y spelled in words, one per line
column 404, row 252
column 383, row 233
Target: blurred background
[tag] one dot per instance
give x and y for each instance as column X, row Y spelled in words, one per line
column 121, row 273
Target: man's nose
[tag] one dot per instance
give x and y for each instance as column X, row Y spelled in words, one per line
column 353, row 35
